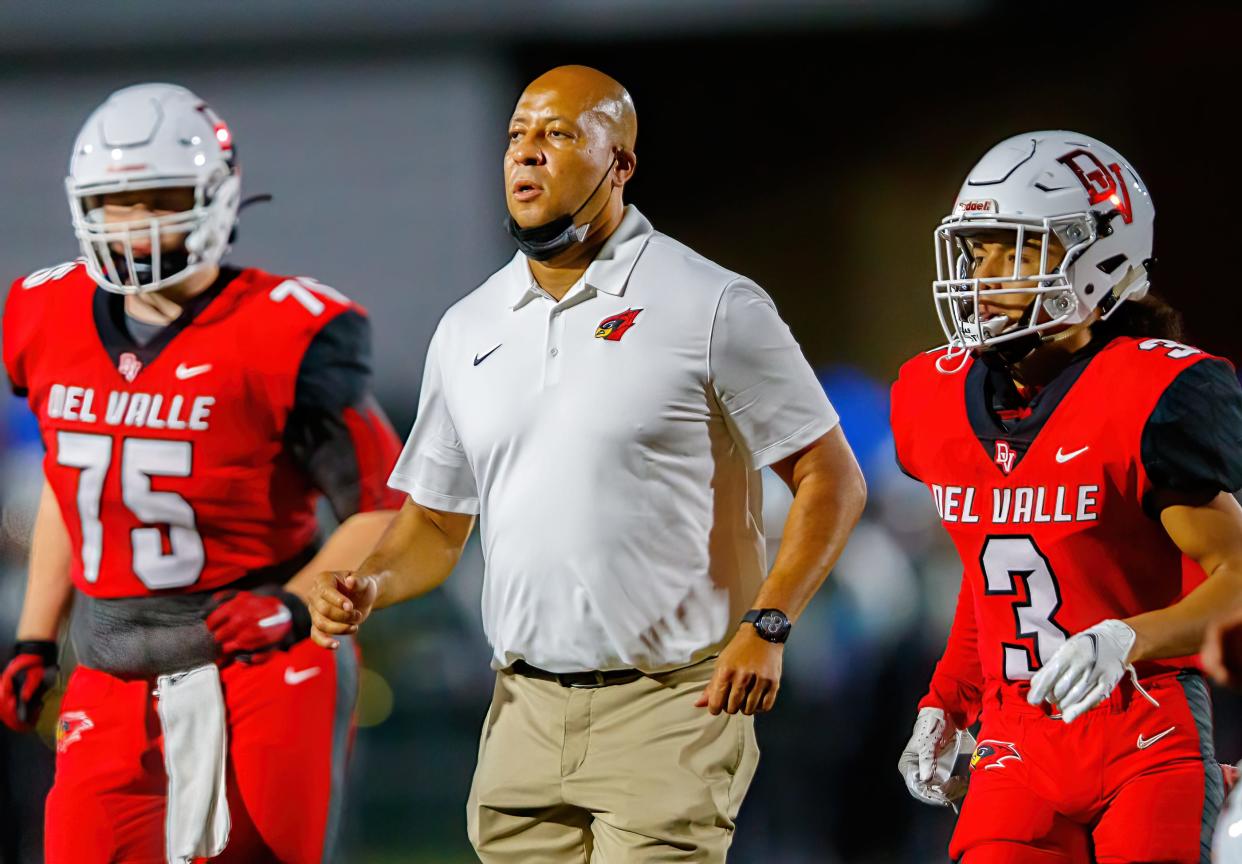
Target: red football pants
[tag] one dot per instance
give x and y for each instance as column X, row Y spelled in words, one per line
column 1125, row 782
column 289, row 729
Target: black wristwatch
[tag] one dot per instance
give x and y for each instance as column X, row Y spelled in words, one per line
column 771, row 624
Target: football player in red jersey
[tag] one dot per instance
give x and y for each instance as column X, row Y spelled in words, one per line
column 1081, row 460
column 193, row 414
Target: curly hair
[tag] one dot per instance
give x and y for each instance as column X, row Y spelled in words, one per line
column 1151, row 317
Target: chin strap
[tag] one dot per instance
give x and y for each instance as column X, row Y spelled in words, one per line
column 1017, row 350
column 262, row 198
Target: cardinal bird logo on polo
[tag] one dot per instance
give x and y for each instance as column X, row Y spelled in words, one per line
column 993, row 754
column 613, row 327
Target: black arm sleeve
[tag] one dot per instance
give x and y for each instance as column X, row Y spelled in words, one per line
column 1192, row 443
column 334, row 376
column 336, row 368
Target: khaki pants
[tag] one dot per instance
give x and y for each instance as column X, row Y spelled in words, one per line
column 625, row 773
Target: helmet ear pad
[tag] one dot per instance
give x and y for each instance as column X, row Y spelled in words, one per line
column 195, row 243
column 210, row 240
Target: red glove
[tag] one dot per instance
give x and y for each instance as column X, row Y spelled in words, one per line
column 29, row 675
column 249, row 625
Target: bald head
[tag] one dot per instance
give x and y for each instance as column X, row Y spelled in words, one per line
column 571, row 147
column 591, row 95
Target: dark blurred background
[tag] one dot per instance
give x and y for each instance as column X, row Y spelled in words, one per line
column 811, row 146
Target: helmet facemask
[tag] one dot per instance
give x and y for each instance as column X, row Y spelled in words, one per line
column 960, row 296
column 202, row 233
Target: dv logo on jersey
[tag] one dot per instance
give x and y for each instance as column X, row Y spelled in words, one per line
column 129, row 366
column 1005, row 456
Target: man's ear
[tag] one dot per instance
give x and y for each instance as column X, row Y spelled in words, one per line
column 627, row 162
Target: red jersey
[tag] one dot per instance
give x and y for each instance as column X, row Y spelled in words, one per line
column 1050, row 514
column 176, row 463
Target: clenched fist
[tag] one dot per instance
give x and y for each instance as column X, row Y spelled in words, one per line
column 339, row 601
column 29, row 675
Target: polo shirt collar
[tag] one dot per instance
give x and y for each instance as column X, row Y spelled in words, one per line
column 609, row 272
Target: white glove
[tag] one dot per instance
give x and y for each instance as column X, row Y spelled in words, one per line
column 927, row 762
column 1085, row 669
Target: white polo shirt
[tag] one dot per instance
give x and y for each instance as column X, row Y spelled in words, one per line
column 611, row 443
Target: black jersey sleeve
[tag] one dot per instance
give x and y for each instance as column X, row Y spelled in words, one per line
column 336, row 368
column 1192, row 442
column 336, row 432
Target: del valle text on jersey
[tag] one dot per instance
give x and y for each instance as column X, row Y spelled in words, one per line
column 1019, row 505
column 123, row 408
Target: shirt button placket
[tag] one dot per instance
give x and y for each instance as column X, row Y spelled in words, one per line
column 552, row 352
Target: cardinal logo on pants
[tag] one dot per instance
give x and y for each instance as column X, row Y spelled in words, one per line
column 993, row 754
column 69, row 728
column 614, row 327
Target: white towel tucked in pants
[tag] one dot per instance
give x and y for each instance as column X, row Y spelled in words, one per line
column 191, row 711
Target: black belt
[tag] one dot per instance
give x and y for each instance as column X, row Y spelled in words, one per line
column 594, row 678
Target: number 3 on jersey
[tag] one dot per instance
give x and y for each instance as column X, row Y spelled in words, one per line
column 141, row 459
column 1006, row 562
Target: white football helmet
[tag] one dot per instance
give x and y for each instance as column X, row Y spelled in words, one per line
column 1040, row 185
column 153, row 136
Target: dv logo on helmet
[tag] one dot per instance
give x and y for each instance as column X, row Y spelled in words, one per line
column 1101, row 183
column 614, row 327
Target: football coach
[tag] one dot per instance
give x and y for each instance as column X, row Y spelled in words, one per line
column 604, row 403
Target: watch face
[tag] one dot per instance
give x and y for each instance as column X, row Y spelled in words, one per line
column 771, row 623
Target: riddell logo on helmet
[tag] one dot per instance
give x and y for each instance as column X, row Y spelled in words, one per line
column 986, row 205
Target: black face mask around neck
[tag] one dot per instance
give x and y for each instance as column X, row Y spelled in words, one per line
column 541, row 242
